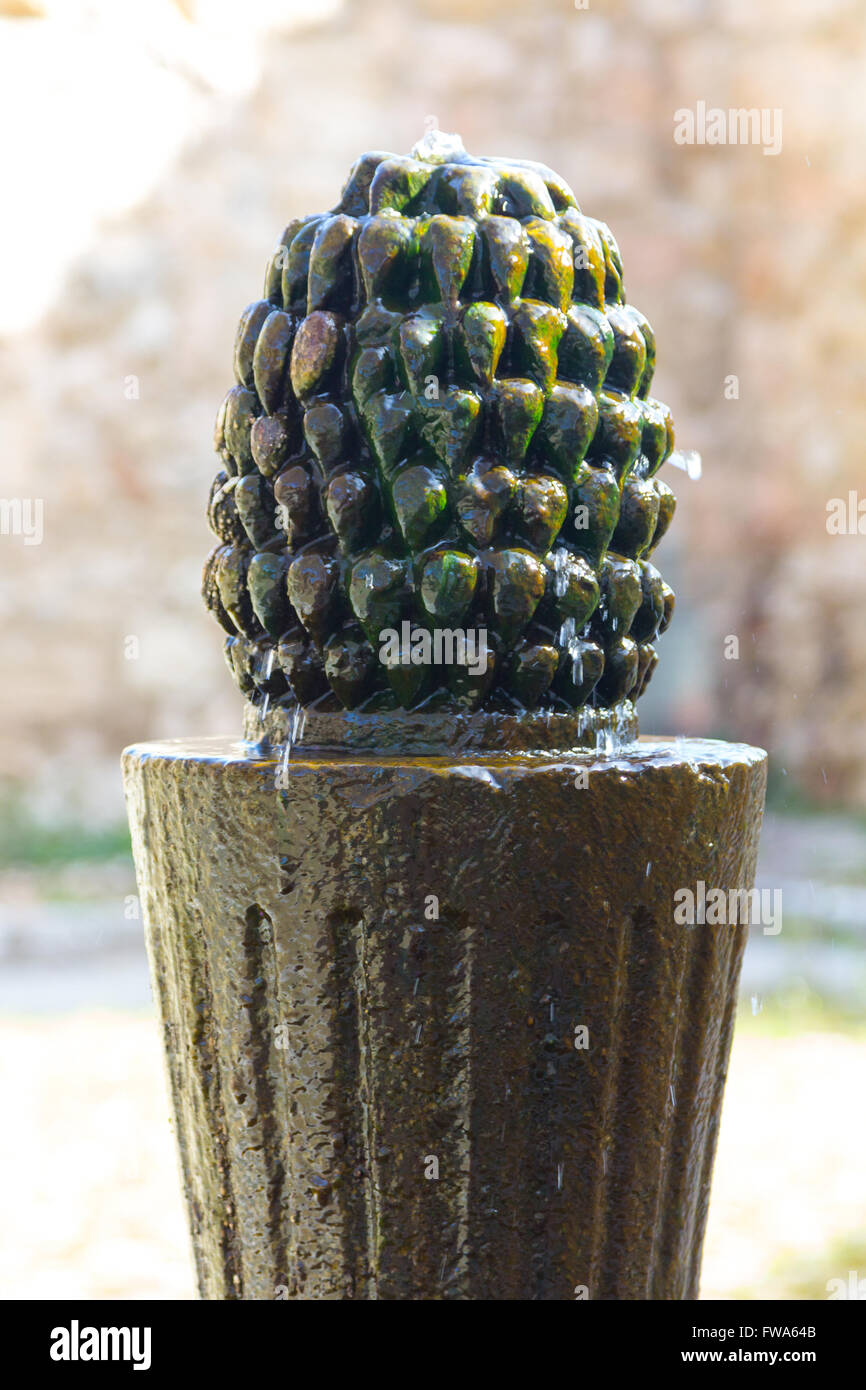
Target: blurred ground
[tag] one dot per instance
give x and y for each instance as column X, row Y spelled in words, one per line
column 788, row 1210
column 90, row 1205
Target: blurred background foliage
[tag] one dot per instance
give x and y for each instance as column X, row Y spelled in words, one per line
column 154, row 152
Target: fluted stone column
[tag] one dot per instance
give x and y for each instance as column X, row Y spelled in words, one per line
column 431, row 1026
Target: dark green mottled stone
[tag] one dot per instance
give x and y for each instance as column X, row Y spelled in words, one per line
column 443, row 365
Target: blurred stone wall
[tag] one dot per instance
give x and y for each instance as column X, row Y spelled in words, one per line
column 749, row 266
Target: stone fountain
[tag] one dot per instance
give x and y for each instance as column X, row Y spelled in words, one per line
column 433, row 1027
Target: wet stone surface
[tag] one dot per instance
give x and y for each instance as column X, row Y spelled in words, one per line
column 432, row 1029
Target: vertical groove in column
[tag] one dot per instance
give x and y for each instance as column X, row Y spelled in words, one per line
column 496, row 1004
column 641, row 1110
column 608, row 1014
column 546, row 1118
column 240, row 1018
column 351, row 1193
column 413, row 984
column 497, row 1139
column 416, row 1058
column 314, row 969
column 261, row 1109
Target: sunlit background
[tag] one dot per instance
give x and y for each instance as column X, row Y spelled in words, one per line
column 152, row 153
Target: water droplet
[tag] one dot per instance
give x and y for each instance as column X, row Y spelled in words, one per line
column 689, row 460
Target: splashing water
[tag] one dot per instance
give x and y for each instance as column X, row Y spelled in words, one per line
column 605, row 742
column 438, row 144
column 682, row 744
column 689, row 460
column 622, row 730
column 612, row 738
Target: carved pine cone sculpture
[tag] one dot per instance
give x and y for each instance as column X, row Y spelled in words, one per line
column 443, row 416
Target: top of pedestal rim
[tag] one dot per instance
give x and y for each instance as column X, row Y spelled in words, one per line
column 648, row 753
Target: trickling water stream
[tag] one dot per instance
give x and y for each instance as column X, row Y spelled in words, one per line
column 268, row 665
column 572, row 644
column 294, row 734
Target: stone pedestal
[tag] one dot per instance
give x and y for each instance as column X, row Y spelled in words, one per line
column 432, row 1028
